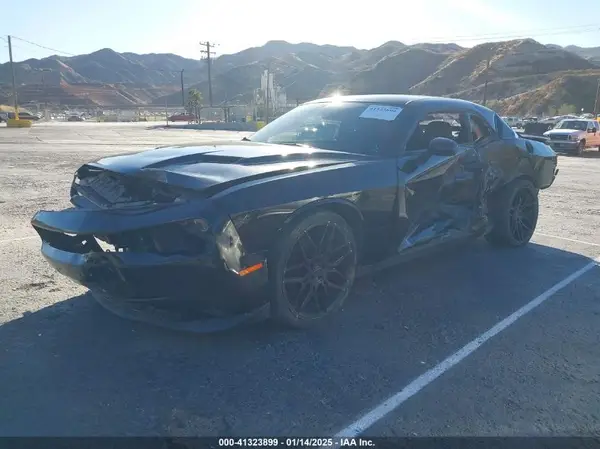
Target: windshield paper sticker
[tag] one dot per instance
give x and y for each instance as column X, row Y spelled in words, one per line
column 381, row 112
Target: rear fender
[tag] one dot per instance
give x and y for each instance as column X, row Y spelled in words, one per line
column 544, row 163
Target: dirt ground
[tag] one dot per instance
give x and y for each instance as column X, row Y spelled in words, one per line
column 68, row 367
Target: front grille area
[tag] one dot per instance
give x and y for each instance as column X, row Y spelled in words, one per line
column 182, row 238
column 559, row 137
column 107, row 189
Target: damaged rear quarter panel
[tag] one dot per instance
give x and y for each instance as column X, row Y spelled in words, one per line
column 520, row 158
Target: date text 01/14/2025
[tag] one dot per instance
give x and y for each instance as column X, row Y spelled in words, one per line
column 296, row 442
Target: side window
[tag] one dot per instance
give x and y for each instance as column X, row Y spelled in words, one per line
column 450, row 125
column 479, row 128
column 503, row 129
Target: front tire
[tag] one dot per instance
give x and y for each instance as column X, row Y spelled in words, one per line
column 313, row 269
column 580, row 148
column 514, row 214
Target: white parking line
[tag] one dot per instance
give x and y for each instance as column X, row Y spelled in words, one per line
column 17, row 239
column 395, row 401
column 567, row 239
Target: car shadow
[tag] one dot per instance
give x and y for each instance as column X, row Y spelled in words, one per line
column 74, row 369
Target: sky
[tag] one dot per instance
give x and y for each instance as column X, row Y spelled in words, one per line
column 160, row 26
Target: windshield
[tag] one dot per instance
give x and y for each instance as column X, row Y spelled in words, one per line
column 572, row 124
column 341, row 126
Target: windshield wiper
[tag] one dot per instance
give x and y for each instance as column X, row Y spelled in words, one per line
column 245, row 139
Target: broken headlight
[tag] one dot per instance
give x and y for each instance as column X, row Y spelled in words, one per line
column 230, row 247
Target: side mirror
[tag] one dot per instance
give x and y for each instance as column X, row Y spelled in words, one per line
column 442, row 146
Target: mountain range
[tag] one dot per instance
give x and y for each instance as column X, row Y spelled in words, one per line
column 523, row 76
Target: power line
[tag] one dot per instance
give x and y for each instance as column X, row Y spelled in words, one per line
column 523, row 35
column 555, row 31
column 523, row 32
column 43, row 46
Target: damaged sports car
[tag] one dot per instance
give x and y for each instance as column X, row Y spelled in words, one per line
column 202, row 237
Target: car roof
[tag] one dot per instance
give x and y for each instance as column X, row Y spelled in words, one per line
column 403, row 100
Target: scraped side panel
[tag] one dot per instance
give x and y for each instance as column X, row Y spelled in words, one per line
column 444, row 198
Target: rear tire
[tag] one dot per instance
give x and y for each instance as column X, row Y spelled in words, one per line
column 513, row 214
column 313, row 269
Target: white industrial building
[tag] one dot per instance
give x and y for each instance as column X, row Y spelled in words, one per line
column 270, row 94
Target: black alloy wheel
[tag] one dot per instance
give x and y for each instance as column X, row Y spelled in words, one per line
column 513, row 213
column 315, row 271
column 523, row 216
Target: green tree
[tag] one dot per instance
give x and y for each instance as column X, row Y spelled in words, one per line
column 566, row 109
column 194, row 103
column 494, row 105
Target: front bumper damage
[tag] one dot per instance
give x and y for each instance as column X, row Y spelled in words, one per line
column 160, row 266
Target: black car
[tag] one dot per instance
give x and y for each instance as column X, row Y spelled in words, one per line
column 281, row 223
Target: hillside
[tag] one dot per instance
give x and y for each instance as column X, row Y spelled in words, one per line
column 569, row 88
column 523, row 75
column 396, row 73
column 507, row 60
column 592, row 54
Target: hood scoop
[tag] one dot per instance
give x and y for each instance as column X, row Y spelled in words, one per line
column 217, row 157
column 189, row 159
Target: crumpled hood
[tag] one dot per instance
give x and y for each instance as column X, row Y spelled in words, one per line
column 224, row 163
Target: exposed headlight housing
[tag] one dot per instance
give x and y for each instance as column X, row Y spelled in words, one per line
column 230, row 247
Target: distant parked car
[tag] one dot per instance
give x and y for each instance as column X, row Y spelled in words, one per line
column 513, row 122
column 537, row 128
column 574, row 136
column 23, row 116
column 182, row 118
column 75, row 118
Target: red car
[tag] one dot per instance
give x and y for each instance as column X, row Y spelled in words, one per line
column 182, row 118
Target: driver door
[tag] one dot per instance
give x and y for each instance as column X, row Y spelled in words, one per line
column 438, row 195
column 593, row 136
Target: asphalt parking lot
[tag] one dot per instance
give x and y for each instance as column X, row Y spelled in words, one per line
column 422, row 349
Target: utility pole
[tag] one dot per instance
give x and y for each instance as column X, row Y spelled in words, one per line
column 596, row 100
column 182, row 92
column 208, row 52
column 14, row 83
column 487, row 77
